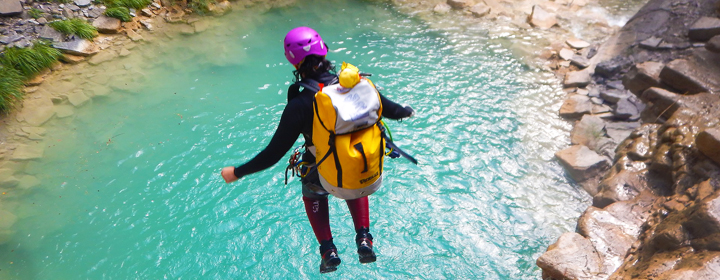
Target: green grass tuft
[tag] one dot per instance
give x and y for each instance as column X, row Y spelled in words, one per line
column 200, row 6
column 35, row 13
column 30, row 61
column 76, row 26
column 136, row 4
column 121, row 13
column 11, row 85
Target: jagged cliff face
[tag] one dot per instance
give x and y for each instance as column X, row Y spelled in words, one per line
column 656, row 205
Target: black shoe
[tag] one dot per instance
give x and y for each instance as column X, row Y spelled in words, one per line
column 364, row 241
column 330, row 259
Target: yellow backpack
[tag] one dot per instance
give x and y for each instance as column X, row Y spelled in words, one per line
column 347, row 135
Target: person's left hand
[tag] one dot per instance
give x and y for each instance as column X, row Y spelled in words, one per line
column 228, row 173
column 412, row 111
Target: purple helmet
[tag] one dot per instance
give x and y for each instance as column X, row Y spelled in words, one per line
column 301, row 42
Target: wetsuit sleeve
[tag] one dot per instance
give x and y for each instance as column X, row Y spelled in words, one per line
column 394, row 111
column 285, row 136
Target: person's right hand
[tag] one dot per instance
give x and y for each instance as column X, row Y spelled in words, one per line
column 228, row 173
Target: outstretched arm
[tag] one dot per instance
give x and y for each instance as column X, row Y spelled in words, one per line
column 394, row 111
column 287, row 132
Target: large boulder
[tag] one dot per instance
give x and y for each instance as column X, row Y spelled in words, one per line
column 107, row 25
column 542, row 19
column 624, row 185
column 708, row 142
column 643, row 76
column 581, row 163
column 685, row 76
column 614, row 229
column 577, row 79
column 10, row 8
column 704, row 29
column 664, row 102
column 51, row 34
column 575, row 106
column 81, row 47
column 571, row 257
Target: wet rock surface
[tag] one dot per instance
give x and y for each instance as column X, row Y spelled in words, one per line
column 656, row 209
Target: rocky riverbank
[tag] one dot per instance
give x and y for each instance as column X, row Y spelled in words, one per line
column 655, row 188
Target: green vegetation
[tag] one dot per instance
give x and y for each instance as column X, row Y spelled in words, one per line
column 35, row 13
column 200, row 6
column 136, row 4
column 121, row 13
column 19, row 64
column 76, row 26
column 29, row 61
column 11, row 83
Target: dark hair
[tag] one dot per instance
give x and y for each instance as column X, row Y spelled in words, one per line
column 312, row 67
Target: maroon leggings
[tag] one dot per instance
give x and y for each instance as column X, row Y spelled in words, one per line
column 317, row 212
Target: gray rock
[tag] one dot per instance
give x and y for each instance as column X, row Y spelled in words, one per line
column 624, row 109
column 571, row 257
column 580, row 62
column 107, row 25
column 542, row 19
column 704, row 29
column 612, row 96
column 83, row 3
column 95, row 13
column 566, row 54
column 708, row 142
column 50, row 33
column 588, row 132
column 643, row 76
column 685, row 76
column 577, row 79
column 622, row 186
column 480, row 10
column 615, row 84
column 714, row 44
column 577, row 43
column 597, row 100
column 81, row 47
column 575, row 106
column 651, row 43
column 10, row 7
column 11, row 39
column 42, row 21
column 581, row 163
column 620, row 131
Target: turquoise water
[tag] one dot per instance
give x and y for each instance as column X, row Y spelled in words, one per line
column 130, row 185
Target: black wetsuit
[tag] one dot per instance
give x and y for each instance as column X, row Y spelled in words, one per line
column 297, row 118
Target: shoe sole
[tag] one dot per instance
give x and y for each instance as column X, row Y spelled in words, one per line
column 330, row 267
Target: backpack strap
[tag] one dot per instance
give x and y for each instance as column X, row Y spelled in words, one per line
column 392, row 145
column 310, row 84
